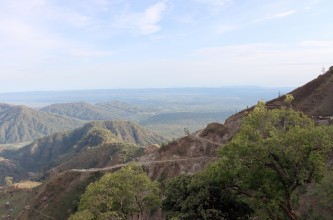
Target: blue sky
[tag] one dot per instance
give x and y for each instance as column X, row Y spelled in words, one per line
column 105, row 44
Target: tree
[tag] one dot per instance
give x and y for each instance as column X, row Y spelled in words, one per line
column 321, row 199
column 120, row 195
column 198, row 197
column 82, row 215
column 275, row 153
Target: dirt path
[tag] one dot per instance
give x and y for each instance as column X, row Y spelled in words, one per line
column 196, row 136
column 154, row 161
column 142, row 163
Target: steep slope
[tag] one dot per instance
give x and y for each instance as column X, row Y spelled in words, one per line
column 59, row 195
column 86, row 147
column 314, row 98
column 129, row 132
column 20, row 123
column 10, row 168
column 100, row 111
column 4, row 106
column 188, row 154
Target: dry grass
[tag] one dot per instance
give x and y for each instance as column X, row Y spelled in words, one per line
column 26, row 185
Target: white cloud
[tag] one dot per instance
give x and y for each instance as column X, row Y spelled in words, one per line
column 316, row 43
column 265, row 63
column 22, row 6
column 89, row 53
column 143, row 23
column 148, row 23
column 276, row 16
column 283, row 14
column 214, row 3
column 16, row 32
column 226, row 28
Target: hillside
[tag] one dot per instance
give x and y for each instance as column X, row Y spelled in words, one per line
column 100, row 111
column 124, row 110
column 129, row 132
column 81, row 110
column 93, row 140
column 59, row 195
column 4, row 106
column 20, row 124
column 314, row 98
column 188, row 154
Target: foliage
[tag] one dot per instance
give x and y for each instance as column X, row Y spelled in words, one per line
column 289, row 98
column 274, row 154
column 82, row 215
column 324, row 191
column 197, row 197
column 8, row 181
column 321, row 199
column 121, row 194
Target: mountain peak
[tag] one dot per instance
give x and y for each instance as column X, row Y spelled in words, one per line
column 314, row 98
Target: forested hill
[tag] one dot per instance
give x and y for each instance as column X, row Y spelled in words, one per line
column 53, row 150
column 100, row 111
column 21, row 123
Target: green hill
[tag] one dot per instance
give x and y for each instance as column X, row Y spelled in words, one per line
column 84, row 147
column 20, row 124
column 100, row 111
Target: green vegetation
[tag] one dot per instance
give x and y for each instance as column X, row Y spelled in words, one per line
column 96, row 139
column 171, row 125
column 319, row 200
column 100, row 111
column 125, row 193
column 266, row 166
column 21, row 124
column 275, row 153
column 13, row 197
column 196, row 197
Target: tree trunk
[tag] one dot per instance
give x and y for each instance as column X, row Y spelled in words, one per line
column 289, row 209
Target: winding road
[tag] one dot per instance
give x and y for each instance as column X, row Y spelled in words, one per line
column 140, row 162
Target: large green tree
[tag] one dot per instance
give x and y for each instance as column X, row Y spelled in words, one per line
column 120, row 195
column 198, row 197
column 274, row 155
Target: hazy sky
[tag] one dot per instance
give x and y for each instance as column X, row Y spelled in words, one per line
column 95, row 44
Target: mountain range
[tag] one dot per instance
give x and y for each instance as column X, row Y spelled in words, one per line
column 71, row 160
column 96, row 143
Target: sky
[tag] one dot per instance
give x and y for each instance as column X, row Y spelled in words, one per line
column 51, row 45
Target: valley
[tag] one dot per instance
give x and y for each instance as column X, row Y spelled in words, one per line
column 66, row 162
column 166, row 110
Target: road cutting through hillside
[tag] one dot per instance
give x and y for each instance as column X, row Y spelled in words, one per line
column 142, row 163
column 153, row 162
column 204, row 139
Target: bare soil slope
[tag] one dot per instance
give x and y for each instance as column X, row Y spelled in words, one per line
column 314, row 98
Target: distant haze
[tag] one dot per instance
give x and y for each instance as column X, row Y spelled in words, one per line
column 108, row 44
column 182, row 98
